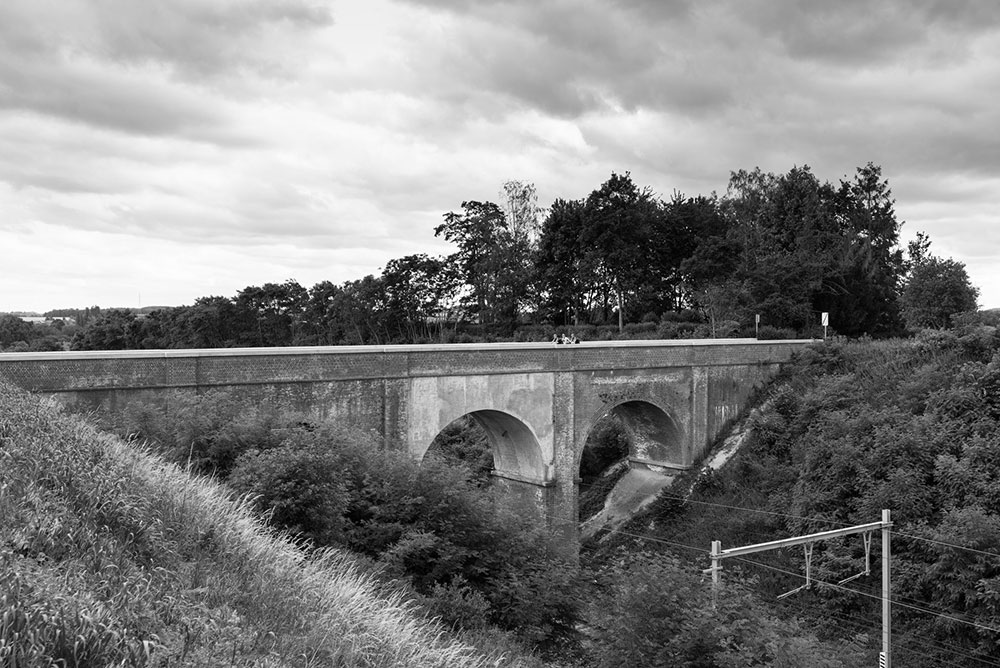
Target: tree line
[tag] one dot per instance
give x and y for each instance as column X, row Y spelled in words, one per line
column 776, row 250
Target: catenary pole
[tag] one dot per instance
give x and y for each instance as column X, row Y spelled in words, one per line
column 886, row 657
column 718, row 554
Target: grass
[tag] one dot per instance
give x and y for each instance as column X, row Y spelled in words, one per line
column 110, row 556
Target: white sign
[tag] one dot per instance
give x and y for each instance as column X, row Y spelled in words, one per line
column 826, row 319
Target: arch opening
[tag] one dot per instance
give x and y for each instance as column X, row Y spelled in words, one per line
column 633, row 434
column 495, row 443
column 464, row 443
column 654, row 436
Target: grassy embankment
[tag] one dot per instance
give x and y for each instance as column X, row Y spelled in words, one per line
column 110, row 556
column 848, row 429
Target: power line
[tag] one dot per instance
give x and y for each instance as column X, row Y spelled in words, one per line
column 946, row 544
column 937, row 644
column 819, row 520
column 878, row 597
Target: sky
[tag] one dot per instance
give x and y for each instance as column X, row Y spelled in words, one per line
column 155, row 152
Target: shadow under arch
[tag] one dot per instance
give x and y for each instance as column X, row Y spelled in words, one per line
column 517, row 454
column 655, row 439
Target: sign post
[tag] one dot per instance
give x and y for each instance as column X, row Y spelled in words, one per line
column 826, row 322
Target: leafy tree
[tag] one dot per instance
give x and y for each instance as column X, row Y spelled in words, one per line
column 12, row 329
column 418, row 288
column 270, row 314
column 559, row 261
column 493, row 260
column 866, row 298
column 320, row 326
column 113, row 329
column 619, row 221
column 209, row 323
column 936, row 290
column 359, row 309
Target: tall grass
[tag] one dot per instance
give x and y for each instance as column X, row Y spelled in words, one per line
column 110, row 556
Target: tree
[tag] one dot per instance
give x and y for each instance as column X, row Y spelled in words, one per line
column 493, row 258
column 867, row 299
column 271, row 313
column 558, row 261
column 619, row 219
column 113, row 329
column 418, row 288
column 791, row 243
column 936, row 290
column 12, row 329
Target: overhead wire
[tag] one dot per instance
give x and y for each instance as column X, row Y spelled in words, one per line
column 938, row 645
column 934, row 645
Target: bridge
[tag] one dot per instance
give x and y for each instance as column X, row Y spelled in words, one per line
column 537, row 402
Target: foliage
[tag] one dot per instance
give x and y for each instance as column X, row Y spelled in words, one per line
column 427, row 524
column 936, row 291
column 784, row 247
column 909, row 425
column 12, row 329
column 203, row 433
column 111, row 330
column 109, row 556
column 464, row 443
column 657, row 613
column 492, row 257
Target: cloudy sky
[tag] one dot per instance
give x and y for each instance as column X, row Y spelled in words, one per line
column 155, row 152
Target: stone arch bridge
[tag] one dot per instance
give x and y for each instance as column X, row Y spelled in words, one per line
column 537, row 402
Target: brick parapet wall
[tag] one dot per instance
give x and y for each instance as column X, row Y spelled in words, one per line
column 163, row 369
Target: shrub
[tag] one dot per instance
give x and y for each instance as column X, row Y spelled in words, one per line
column 658, row 613
column 426, row 524
column 206, row 432
column 301, row 488
column 769, row 333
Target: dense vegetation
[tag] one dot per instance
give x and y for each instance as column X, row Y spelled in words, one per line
column 852, row 428
column 464, row 551
column 618, row 263
column 110, row 556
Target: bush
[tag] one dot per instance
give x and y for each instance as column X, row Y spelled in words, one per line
column 301, row 488
column 205, row 433
column 659, row 613
column 425, row 524
column 769, row 333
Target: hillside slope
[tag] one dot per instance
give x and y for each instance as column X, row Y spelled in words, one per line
column 109, row 556
column 849, row 429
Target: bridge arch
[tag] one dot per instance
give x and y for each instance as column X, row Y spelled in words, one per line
column 517, row 453
column 655, row 438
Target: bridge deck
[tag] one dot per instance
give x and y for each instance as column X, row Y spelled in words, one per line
column 387, row 349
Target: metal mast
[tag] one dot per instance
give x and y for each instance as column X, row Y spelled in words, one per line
column 718, row 554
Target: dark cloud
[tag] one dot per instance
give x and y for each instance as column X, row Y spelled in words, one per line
column 201, row 37
column 190, row 37
column 858, row 33
column 109, row 99
column 144, row 68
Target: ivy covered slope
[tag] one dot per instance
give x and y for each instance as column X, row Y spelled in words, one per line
column 109, row 556
column 852, row 428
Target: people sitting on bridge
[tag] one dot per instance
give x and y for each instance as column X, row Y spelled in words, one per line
column 558, row 338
